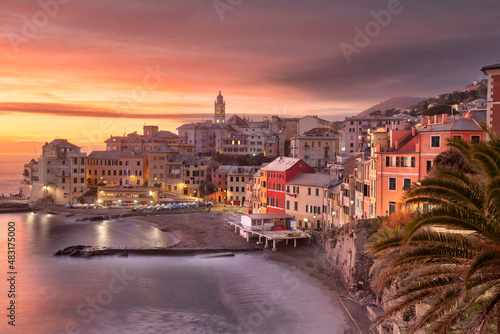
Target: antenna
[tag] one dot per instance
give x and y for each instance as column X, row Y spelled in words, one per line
column 124, row 131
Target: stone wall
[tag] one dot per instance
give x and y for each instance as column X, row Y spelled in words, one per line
column 345, row 246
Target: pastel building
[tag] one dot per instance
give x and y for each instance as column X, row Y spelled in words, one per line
column 411, row 153
column 117, row 168
column 305, row 199
column 316, row 151
column 59, row 175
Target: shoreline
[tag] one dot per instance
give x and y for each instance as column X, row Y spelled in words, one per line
column 204, row 231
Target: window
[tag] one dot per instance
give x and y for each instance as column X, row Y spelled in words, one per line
column 230, row 188
column 75, row 180
column 429, row 165
column 413, row 161
column 475, row 139
column 392, row 208
column 392, row 183
column 435, row 141
column 287, row 189
column 317, row 191
column 387, row 161
column 406, row 184
column 309, row 191
column 296, row 206
column 397, row 161
column 288, row 205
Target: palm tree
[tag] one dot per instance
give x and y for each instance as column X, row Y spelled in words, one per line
column 447, row 260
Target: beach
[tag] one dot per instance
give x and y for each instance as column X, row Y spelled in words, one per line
column 197, row 229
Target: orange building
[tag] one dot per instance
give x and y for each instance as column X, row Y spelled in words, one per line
column 411, row 154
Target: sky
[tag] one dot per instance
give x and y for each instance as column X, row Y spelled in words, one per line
column 85, row 70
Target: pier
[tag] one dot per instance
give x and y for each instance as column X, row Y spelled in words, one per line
column 261, row 226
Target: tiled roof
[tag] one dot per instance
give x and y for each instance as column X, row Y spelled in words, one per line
column 116, row 154
column 62, row 143
column 281, row 164
column 459, row 124
column 491, row 67
column 313, row 180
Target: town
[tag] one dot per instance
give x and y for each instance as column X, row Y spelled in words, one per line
column 324, row 174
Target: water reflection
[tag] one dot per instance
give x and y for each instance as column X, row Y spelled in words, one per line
column 154, row 294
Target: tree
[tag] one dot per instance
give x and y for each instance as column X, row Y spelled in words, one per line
column 210, row 188
column 375, row 113
column 449, row 257
column 453, row 159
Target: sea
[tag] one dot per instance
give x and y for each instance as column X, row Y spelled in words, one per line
column 11, row 169
column 47, row 294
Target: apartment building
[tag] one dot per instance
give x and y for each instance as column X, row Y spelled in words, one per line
column 357, row 129
column 411, row 153
column 117, row 168
column 305, row 199
column 59, row 175
column 316, row 151
column 273, row 181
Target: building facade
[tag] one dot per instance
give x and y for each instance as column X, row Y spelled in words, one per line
column 59, row 175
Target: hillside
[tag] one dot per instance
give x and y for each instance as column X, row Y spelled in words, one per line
column 393, row 103
column 451, row 98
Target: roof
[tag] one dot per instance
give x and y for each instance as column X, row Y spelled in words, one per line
column 268, row 215
column 236, row 120
column 313, row 180
column 490, row 67
column 281, row 164
column 163, row 149
column 459, row 124
column 165, row 134
column 62, row 143
column 258, row 134
column 479, row 116
column 116, row 154
column 314, row 138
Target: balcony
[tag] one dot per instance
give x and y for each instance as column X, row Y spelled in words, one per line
column 306, row 155
column 306, row 146
column 326, row 156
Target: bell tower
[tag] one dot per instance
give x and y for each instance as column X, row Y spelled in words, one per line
column 219, row 109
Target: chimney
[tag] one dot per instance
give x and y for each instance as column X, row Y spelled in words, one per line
column 425, row 120
column 444, row 119
column 469, row 116
column 413, row 132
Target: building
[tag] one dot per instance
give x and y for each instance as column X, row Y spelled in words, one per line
column 59, row 175
column 493, row 96
column 308, row 123
column 237, row 178
column 117, row 168
column 157, row 163
column 273, row 181
column 305, row 199
column 151, row 139
column 357, row 129
column 411, row 153
column 316, row 151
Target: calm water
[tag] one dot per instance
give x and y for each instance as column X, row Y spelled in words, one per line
column 241, row 294
column 11, row 169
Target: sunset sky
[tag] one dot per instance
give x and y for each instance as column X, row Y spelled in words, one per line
column 89, row 69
